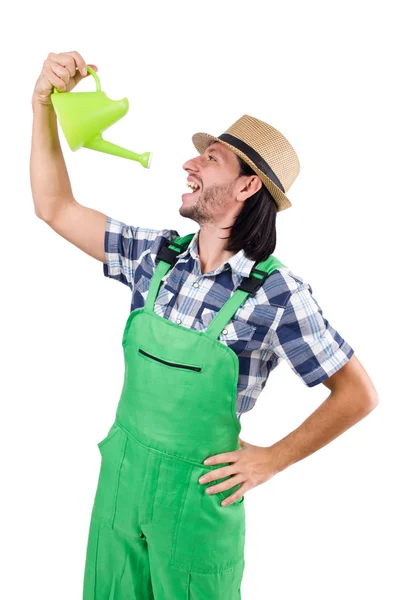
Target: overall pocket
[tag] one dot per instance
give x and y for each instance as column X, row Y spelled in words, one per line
column 175, row 365
column 112, row 449
column 207, row 537
column 112, row 431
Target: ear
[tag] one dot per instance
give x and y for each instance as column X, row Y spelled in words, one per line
column 255, row 184
column 250, row 185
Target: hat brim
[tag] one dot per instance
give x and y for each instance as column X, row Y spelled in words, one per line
column 201, row 142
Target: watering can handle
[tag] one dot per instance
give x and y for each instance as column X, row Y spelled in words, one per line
column 95, row 76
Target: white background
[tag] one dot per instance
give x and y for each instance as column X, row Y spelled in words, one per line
column 321, row 73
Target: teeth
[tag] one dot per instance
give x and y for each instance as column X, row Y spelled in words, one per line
column 192, row 185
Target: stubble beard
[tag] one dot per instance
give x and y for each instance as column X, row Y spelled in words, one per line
column 209, row 204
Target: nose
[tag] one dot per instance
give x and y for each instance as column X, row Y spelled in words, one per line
column 191, row 165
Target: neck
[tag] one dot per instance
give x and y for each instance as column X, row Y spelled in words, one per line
column 211, row 248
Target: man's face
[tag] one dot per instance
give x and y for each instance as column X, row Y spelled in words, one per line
column 216, row 172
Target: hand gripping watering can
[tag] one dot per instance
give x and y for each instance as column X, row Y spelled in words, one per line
column 85, row 115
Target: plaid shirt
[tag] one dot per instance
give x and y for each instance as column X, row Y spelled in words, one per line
column 282, row 320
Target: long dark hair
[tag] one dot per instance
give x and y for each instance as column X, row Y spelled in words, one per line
column 254, row 229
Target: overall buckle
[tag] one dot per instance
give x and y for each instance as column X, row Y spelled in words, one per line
column 252, row 284
column 167, row 254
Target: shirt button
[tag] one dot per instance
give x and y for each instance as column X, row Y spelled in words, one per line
column 178, row 321
column 224, row 331
column 195, row 284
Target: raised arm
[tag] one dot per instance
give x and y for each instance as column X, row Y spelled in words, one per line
column 52, row 193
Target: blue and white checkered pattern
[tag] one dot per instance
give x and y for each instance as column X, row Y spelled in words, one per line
column 282, row 320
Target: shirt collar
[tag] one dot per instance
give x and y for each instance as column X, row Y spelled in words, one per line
column 239, row 262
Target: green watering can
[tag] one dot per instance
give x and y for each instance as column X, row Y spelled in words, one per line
column 85, row 115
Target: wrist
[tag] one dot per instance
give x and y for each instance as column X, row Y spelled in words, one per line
column 279, row 457
column 40, row 105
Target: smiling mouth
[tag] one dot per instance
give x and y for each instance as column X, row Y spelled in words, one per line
column 193, row 189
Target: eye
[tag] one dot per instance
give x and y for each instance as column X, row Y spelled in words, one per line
column 210, row 156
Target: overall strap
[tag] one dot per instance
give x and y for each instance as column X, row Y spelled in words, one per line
column 248, row 287
column 167, row 255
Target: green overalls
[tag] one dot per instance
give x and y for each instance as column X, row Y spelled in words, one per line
column 155, row 534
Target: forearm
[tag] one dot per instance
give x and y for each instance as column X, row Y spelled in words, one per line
column 48, row 174
column 335, row 415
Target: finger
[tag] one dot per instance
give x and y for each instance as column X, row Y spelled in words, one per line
column 236, row 496
column 53, row 78
column 226, row 485
column 225, row 457
column 73, row 62
column 79, row 60
column 57, row 83
column 79, row 76
column 60, row 71
column 63, row 60
column 218, row 473
column 93, row 67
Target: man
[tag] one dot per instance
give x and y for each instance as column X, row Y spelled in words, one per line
column 212, row 315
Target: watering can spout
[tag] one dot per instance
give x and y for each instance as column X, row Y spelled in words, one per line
column 101, row 145
column 85, row 116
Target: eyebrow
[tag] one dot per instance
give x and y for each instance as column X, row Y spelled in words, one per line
column 215, row 150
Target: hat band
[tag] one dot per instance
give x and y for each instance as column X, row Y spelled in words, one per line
column 253, row 155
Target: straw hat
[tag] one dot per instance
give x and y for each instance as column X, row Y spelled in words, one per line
column 264, row 148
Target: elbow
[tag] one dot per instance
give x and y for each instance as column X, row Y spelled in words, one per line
column 363, row 398
column 367, row 399
column 371, row 394
column 373, row 400
column 40, row 214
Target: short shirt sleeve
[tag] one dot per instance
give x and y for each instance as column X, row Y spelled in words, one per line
column 126, row 246
column 307, row 341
